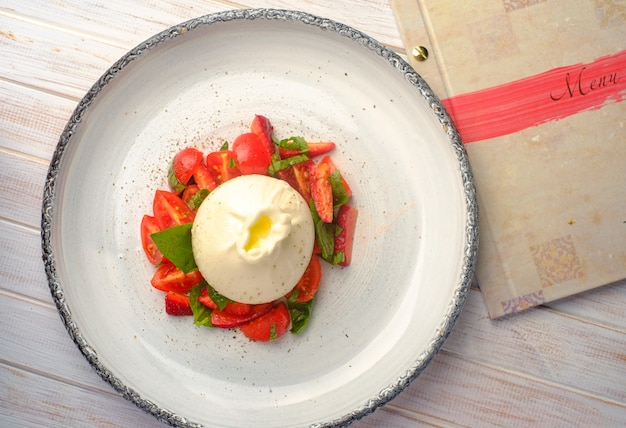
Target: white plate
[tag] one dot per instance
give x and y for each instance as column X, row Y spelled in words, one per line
column 376, row 324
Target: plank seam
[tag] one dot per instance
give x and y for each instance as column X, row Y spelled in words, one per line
column 537, row 379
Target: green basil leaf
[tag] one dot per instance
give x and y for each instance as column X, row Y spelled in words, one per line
column 174, row 182
column 201, row 314
column 280, row 164
column 293, row 296
column 197, row 199
column 340, row 196
column 324, row 234
column 175, row 244
column 218, row 299
column 224, row 146
column 300, row 315
column 294, row 143
column 273, row 332
column 338, row 257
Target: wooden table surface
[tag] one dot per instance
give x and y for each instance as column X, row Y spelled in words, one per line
column 563, row 364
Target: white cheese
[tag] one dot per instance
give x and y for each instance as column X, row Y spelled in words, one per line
column 253, row 238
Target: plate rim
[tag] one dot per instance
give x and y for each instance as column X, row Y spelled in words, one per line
column 471, row 205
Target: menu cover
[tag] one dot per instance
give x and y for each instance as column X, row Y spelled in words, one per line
column 536, row 90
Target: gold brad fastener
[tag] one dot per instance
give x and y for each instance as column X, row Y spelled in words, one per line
column 420, row 53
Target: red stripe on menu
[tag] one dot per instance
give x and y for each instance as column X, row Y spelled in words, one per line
column 549, row 96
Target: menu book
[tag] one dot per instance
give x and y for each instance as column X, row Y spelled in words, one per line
column 536, row 89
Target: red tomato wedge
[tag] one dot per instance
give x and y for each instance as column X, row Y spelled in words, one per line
column 203, row 178
column 328, row 161
column 315, row 149
column 170, row 210
column 317, row 251
column 222, row 165
column 232, row 308
column 298, row 177
column 206, row 300
column 262, row 127
column 321, row 190
column 251, row 154
column 225, row 319
column 148, row 227
column 237, row 308
column 169, row 278
column 269, row 326
column 301, row 175
column 310, row 281
column 177, row 304
column 319, row 148
column 189, row 192
column 185, row 162
column 346, row 219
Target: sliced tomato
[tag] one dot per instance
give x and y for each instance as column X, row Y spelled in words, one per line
column 310, row 281
column 233, row 308
column 203, row 178
column 177, row 304
column 189, row 192
column 251, row 154
column 269, row 326
column 316, row 248
column 206, row 300
column 319, row 148
column 315, row 149
column 321, row 190
column 191, row 198
column 148, row 227
column 301, row 174
column 225, row 319
column 168, row 277
column 262, row 127
column 298, row 177
column 238, row 308
column 170, row 210
column 222, row 165
column 185, row 163
column 346, row 219
column 328, row 161
column 287, row 175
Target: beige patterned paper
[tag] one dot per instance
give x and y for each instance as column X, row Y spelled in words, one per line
column 552, row 195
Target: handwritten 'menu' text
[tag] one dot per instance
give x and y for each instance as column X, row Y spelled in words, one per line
column 581, row 86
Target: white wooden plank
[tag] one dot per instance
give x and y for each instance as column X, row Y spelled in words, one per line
column 21, row 267
column 604, row 305
column 128, row 23
column 545, row 344
column 457, row 392
column 123, row 23
column 31, row 400
column 52, row 60
column 22, row 181
column 22, row 343
column 53, row 403
column 32, row 121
